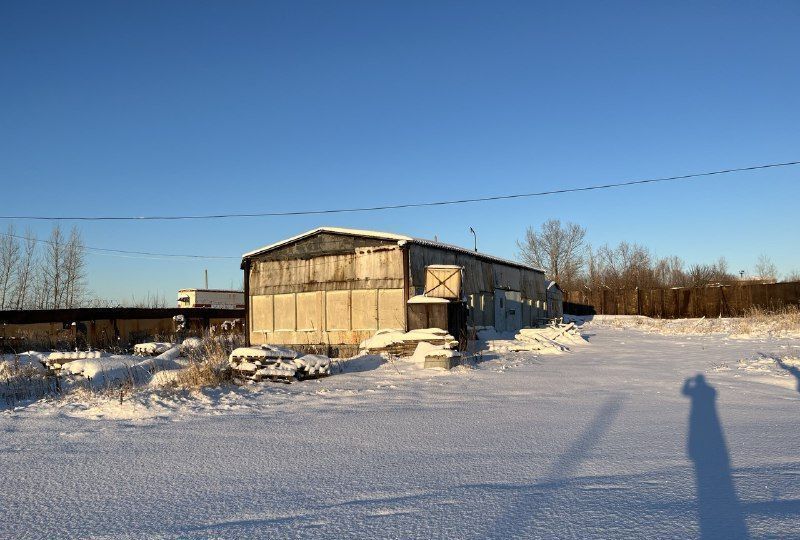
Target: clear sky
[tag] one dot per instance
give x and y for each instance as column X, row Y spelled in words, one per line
column 176, row 107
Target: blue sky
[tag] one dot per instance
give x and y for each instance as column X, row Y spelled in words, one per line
column 144, row 108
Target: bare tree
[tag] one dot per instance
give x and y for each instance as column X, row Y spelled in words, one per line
column 561, row 252
column 152, row 300
column 46, row 278
column 701, row 275
column 625, row 266
column 27, row 261
column 97, row 302
column 594, row 269
column 9, row 256
column 51, row 278
column 669, row 272
column 766, row 269
column 557, row 249
column 74, row 270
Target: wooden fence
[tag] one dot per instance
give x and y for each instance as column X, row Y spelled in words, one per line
column 103, row 327
column 719, row 301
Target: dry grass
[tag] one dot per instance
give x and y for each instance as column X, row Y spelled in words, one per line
column 207, row 368
column 21, row 382
column 782, row 322
column 208, row 364
column 16, row 389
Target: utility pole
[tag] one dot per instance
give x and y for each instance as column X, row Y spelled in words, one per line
column 476, row 238
column 206, row 278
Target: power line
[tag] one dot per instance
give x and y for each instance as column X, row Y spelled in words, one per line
column 126, row 253
column 406, row 205
column 169, row 256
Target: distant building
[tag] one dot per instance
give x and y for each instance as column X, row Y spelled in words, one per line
column 210, row 298
column 335, row 287
column 752, row 280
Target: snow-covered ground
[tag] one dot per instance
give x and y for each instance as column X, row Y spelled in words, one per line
column 606, row 441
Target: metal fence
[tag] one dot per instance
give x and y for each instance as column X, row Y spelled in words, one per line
column 716, row 301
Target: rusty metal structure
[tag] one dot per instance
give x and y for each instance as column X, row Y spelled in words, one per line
column 103, row 327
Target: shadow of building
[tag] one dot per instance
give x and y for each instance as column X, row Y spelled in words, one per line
column 719, row 511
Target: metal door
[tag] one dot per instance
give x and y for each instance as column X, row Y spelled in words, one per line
column 507, row 310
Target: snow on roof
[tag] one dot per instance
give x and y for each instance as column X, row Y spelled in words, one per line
column 401, row 239
column 335, row 230
column 422, row 299
column 211, row 290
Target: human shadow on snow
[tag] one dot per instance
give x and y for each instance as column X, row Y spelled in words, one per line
column 719, row 512
column 522, row 512
column 794, row 370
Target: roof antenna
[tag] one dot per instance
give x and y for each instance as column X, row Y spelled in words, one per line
column 476, row 238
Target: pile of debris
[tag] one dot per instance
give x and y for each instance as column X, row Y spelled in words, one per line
column 277, row 364
column 27, row 363
column 56, row 360
column 398, row 343
column 153, row 348
column 555, row 338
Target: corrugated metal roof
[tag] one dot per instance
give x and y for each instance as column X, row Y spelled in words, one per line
column 401, row 239
column 334, row 230
column 477, row 254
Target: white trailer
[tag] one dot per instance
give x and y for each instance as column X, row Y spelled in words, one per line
column 211, row 298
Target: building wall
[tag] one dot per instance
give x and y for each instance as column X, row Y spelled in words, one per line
column 481, row 279
column 334, row 289
column 555, row 303
column 211, row 299
column 326, row 290
column 219, row 299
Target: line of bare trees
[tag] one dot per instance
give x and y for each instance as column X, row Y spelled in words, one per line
column 562, row 251
column 42, row 274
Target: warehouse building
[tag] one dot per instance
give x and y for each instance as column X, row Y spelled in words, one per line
column 335, row 287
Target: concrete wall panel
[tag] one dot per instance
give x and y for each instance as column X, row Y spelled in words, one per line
column 261, row 313
column 391, row 309
column 337, row 310
column 285, row 312
column 309, row 311
column 365, row 309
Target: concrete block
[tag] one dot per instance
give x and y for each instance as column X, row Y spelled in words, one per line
column 441, row 362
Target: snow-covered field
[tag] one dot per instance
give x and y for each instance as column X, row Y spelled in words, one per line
column 606, row 441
